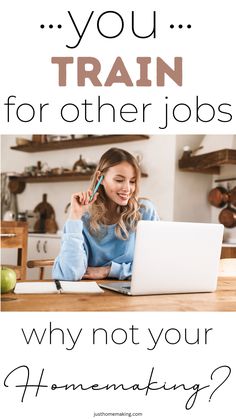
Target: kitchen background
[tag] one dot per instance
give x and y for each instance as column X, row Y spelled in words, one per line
column 178, row 195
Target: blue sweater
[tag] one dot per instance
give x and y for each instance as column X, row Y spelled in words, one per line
column 80, row 249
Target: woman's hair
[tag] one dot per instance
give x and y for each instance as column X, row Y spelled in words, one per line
column 129, row 214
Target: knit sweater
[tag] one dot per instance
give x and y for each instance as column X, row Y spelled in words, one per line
column 80, row 249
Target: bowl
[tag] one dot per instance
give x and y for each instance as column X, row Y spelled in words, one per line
column 22, row 141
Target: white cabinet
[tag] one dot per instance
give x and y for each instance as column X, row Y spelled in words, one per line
column 42, row 246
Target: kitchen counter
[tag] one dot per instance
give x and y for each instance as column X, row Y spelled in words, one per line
column 46, row 235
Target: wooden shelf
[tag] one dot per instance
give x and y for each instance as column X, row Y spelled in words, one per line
column 207, row 163
column 34, row 147
column 65, row 177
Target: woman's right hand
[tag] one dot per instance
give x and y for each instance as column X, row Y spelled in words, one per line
column 79, row 204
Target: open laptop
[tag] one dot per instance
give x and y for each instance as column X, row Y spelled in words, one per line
column 173, row 257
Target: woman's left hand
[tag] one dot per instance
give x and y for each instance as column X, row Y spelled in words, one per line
column 100, row 272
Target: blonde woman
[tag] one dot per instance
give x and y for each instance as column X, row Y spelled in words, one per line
column 99, row 236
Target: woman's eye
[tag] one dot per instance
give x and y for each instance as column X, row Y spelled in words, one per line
column 120, row 181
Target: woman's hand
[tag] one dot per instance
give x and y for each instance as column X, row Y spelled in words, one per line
column 79, row 204
column 100, row 272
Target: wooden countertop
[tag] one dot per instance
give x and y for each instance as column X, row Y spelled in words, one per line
column 224, row 299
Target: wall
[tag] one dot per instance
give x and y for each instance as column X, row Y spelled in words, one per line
column 158, row 161
column 190, row 201
column 179, row 196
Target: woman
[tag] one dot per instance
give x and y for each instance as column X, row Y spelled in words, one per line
column 99, row 236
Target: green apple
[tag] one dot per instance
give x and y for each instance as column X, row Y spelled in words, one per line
column 8, row 279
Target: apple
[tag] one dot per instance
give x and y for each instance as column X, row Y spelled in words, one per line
column 8, row 279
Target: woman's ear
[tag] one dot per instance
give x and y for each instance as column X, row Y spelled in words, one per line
column 98, row 175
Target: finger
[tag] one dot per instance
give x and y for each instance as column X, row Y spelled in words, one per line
column 76, row 198
column 81, row 198
column 84, row 196
column 94, row 198
column 87, row 198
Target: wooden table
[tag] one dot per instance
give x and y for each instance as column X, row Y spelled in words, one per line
column 224, row 299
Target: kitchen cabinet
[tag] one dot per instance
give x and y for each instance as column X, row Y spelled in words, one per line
column 42, row 246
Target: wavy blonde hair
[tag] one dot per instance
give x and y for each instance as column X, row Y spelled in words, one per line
column 129, row 215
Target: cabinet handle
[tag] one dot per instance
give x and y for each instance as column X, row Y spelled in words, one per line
column 45, row 246
column 38, row 246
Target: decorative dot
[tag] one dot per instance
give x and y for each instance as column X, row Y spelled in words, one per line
column 42, row 26
column 172, row 26
column 180, row 26
column 50, row 26
column 188, row 26
column 59, row 26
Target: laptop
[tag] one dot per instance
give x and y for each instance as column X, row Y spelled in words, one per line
column 173, row 257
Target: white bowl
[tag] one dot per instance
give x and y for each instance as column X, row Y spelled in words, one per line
column 22, row 141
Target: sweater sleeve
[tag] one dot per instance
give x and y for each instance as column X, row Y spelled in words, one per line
column 120, row 270
column 72, row 261
column 148, row 211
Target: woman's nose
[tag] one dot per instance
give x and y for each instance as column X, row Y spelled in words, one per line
column 126, row 186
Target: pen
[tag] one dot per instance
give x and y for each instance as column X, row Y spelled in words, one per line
column 92, row 196
column 58, row 285
column 96, row 188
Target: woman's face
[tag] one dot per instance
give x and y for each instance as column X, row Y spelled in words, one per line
column 120, row 182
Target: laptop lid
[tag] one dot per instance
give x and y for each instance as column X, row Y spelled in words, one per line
column 176, row 257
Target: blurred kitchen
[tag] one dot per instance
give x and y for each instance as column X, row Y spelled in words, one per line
column 188, row 177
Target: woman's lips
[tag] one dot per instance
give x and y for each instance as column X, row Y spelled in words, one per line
column 123, row 196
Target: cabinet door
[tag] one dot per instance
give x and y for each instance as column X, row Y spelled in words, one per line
column 42, row 248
